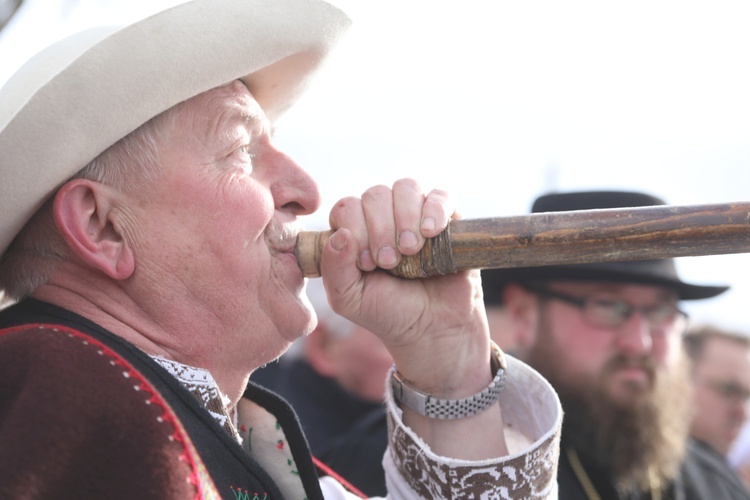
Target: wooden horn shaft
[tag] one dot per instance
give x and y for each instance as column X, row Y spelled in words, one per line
column 560, row 238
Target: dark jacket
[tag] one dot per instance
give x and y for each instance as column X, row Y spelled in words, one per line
column 84, row 414
column 704, row 475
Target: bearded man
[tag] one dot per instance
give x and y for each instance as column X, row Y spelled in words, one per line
column 608, row 338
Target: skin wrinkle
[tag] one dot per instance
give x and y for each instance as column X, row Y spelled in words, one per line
column 125, row 224
column 151, row 338
column 436, row 332
column 221, row 127
column 231, row 177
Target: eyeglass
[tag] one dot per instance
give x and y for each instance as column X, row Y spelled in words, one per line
column 613, row 313
column 730, row 390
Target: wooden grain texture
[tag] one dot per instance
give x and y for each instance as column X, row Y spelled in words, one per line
column 575, row 237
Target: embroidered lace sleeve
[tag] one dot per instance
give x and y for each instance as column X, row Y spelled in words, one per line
column 532, row 415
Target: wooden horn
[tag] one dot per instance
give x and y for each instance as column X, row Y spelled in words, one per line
column 559, row 238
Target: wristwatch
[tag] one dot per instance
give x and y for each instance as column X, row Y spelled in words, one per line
column 430, row 406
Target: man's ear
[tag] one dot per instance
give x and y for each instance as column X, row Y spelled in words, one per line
column 317, row 352
column 83, row 214
column 523, row 315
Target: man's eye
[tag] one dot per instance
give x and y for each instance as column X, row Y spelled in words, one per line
column 663, row 312
column 240, row 158
column 615, row 306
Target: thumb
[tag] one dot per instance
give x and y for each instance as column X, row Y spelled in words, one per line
column 342, row 278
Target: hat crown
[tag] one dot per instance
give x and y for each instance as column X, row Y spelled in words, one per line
column 590, row 200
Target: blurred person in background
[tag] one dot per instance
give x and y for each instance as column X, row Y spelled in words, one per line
column 720, row 368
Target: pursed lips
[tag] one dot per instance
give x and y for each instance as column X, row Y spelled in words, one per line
column 281, row 237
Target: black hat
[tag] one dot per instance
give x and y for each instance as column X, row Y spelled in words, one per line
column 656, row 272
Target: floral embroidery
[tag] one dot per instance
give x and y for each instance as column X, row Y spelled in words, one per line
column 240, row 494
column 516, row 478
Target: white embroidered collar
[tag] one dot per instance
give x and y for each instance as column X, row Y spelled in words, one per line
column 201, row 384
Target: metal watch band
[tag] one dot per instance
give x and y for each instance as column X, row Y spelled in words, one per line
column 430, row 406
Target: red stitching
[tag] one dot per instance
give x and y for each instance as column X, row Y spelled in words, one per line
column 141, row 384
column 346, row 484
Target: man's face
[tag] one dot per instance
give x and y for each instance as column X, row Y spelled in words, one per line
column 721, row 377
column 215, row 233
column 623, row 386
column 624, row 359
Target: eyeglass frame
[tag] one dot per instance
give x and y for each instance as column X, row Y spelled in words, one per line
column 581, row 303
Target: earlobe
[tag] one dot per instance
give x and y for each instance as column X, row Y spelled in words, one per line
column 82, row 211
column 522, row 312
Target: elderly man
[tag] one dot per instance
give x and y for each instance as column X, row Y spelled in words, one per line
column 720, row 367
column 148, row 238
column 608, row 338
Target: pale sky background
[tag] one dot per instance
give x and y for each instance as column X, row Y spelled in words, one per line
column 499, row 102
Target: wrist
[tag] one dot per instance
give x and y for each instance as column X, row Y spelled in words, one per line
column 430, row 405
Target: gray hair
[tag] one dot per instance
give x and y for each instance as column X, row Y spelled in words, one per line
column 129, row 165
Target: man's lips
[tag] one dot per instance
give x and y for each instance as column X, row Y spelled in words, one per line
column 282, row 237
column 632, row 373
column 631, row 370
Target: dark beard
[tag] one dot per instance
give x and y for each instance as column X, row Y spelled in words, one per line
column 638, row 442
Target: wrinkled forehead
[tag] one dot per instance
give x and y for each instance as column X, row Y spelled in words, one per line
column 234, row 99
column 221, row 110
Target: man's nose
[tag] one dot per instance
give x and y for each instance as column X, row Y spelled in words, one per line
column 294, row 188
column 635, row 335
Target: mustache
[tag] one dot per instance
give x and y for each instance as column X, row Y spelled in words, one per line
column 620, row 362
column 282, row 236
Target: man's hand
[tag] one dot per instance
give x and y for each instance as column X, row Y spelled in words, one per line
column 435, row 328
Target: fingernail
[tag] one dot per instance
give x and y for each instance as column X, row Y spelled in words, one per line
column 338, row 241
column 387, row 256
column 428, row 223
column 407, row 239
column 365, row 261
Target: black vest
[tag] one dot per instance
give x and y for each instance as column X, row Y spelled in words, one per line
column 232, row 470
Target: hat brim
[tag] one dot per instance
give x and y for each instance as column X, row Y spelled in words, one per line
column 75, row 99
column 495, row 280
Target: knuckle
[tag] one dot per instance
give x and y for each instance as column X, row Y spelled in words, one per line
column 376, row 193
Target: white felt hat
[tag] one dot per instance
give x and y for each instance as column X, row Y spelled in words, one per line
column 78, row 97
